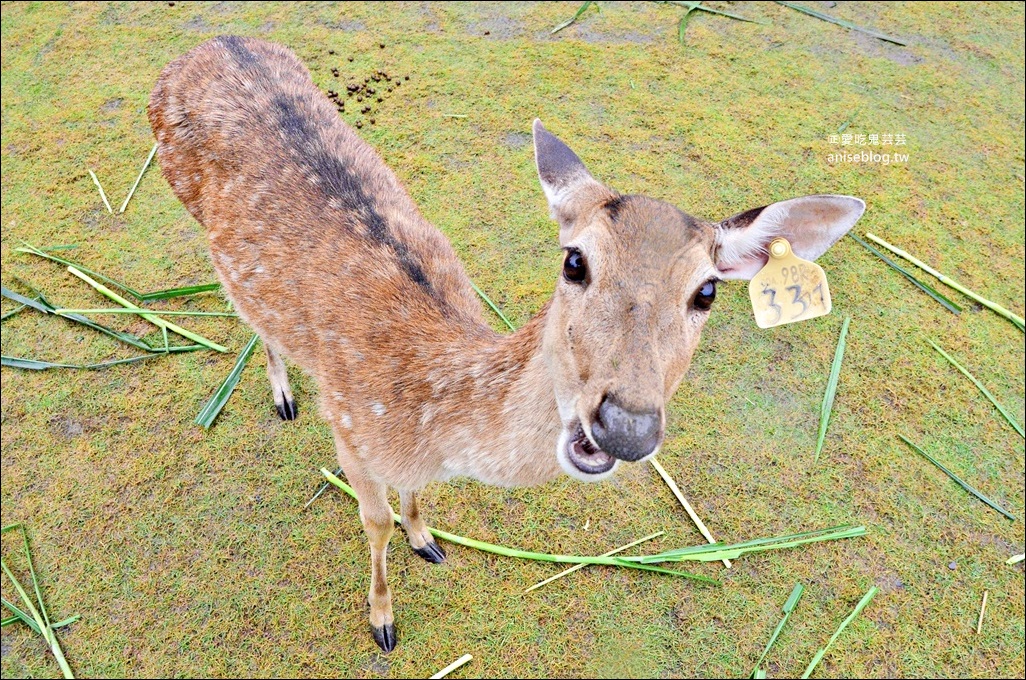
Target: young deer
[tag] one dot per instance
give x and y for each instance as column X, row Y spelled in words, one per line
column 326, row 256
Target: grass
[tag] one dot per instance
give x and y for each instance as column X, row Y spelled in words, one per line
column 788, row 608
column 948, row 304
column 36, row 618
column 842, row 22
column 219, row 398
column 866, row 599
column 831, row 389
column 187, row 550
column 1011, row 316
column 958, row 480
column 990, row 397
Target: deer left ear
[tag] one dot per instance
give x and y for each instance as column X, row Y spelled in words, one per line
column 567, row 184
column 811, row 224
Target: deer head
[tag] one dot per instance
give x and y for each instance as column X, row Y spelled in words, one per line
column 638, row 282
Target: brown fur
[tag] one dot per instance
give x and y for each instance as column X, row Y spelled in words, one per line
column 324, row 253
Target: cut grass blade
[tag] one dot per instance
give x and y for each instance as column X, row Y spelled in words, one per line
column 138, row 179
column 572, row 19
column 574, row 568
column 1015, row 559
column 23, row 617
column 38, row 616
column 926, row 288
column 11, row 313
column 141, row 297
column 149, row 316
column 844, row 624
column 842, row 22
column 831, row 389
column 983, row 608
column 41, row 304
column 35, row 365
column 1016, row 320
column 451, row 667
column 492, row 305
column 979, row 385
column 700, row 553
column 216, row 402
column 322, row 489
column 789, row 606
column 169, row 293
column 127, row 310
column 682, row 25
column 684, row 502
column 102, row 194
column 719, row 551
column 524, row 554
column 957, row 480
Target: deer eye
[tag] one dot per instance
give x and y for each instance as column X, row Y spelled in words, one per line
column 705, row 296
column 575, row 267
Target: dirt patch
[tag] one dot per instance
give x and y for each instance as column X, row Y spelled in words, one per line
column 347, row 26
column 67, row 427
column 198, row 24
column 497, row 28
column 591, row 34
column 516, row 140
column 111, row 105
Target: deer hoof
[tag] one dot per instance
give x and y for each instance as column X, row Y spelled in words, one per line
column 431, row 552
column 384, row 636
column 287, row 410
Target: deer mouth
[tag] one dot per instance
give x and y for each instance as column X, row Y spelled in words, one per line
column 585, row 456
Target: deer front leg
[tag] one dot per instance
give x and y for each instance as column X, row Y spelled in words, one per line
column 376, row 515
column 416, row 530
column 283, row 400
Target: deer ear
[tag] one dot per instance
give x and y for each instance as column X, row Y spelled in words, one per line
column 564, row 179
column 811, row 224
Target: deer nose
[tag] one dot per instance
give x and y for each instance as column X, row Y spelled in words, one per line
column 624, row 434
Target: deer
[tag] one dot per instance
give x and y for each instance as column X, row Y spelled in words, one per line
column 325, row 255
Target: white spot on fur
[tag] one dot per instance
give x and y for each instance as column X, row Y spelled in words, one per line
column 378, row 408
column 346, row 421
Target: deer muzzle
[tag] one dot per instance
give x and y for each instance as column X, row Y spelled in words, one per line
column 626, row 434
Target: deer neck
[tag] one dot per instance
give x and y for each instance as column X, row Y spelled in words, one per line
column 510, row 410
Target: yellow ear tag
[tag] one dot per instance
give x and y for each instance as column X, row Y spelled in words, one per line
column 788, row 288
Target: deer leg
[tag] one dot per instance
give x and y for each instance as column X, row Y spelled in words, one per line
column 283, row 400
column 376, row 515
column 416, row 530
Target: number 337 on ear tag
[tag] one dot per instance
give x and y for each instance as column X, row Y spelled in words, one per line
column 788, row 288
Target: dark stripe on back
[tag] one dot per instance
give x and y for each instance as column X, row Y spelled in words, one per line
column 339, row 182
column 238, row 49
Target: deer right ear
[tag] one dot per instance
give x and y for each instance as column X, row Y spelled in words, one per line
column 563, row 177
column 811, row 224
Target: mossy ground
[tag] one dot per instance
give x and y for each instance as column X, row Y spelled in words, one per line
column 186, row 551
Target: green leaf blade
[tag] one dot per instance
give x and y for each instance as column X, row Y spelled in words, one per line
column 957, row 479
column 866, row 599
column 789, row 606
column 213, row 407
column 948, row 304
column 993, row 400
column 831, row 389
column 842, row 22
